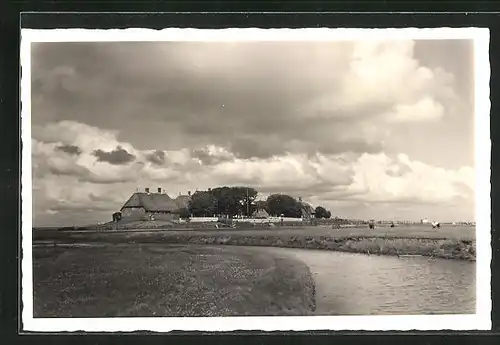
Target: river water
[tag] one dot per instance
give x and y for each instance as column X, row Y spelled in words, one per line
column 359, row 284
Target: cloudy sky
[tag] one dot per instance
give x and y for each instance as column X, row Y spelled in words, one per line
column 364, row 128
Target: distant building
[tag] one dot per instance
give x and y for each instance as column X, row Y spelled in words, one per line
column 260, row 213
column 153, row 206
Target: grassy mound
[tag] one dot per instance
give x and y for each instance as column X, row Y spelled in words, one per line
column 151, row 280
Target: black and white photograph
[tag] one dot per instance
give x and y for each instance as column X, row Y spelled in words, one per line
column 255, row 179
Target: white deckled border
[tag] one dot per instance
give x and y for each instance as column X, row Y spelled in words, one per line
column 479, row 321
column 246, row 34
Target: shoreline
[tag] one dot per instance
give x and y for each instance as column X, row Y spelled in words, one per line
column 453, row 249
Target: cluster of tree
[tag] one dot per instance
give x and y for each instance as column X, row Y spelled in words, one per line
column 321, row 212
column 241, row 201
column 282, row 204
column 228, row 201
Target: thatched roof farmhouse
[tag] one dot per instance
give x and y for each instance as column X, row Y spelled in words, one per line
column 160, row 206
column 147, row 206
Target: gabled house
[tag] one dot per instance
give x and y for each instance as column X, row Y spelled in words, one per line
column 149, row 206
column 260, row 213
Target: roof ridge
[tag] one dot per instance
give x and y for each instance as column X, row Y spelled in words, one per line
column 152, row 202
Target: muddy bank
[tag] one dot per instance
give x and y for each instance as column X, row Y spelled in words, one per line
column 144, row 280
column 458, row 249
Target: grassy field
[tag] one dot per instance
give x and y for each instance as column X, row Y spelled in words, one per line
column 451, row 248
column 107, row 280
column 424, row 232
column 403, row 231
column 448, row 242
column 417, row 231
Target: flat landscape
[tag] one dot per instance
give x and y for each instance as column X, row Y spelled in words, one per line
column 403, row 231
column 210, row 272
column 415, row 231
column 165, row 280
column 447, row 242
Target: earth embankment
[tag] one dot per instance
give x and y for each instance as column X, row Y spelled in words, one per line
column 459, row 247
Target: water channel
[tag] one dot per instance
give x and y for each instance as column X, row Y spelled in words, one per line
column 359, row 284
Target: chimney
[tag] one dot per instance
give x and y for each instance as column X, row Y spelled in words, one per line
column 147, row 190
column 159, row 190
column 189, row 193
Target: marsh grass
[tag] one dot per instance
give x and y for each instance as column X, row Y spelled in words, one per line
column 151, row 280
column 459, row 243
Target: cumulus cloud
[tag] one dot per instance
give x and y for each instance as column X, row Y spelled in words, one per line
column 323, row 178
column 255, row 98
column 48, row 158
column 412, row 182
column 70, row 149
column 63, row 200
column 426, row 109
column 111, row 166
column 156, row 157
column 116, row 157
column 354, row 126
column 212, row 155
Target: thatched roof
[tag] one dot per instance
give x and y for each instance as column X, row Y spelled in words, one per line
column 152, row 202
column 182, row 201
